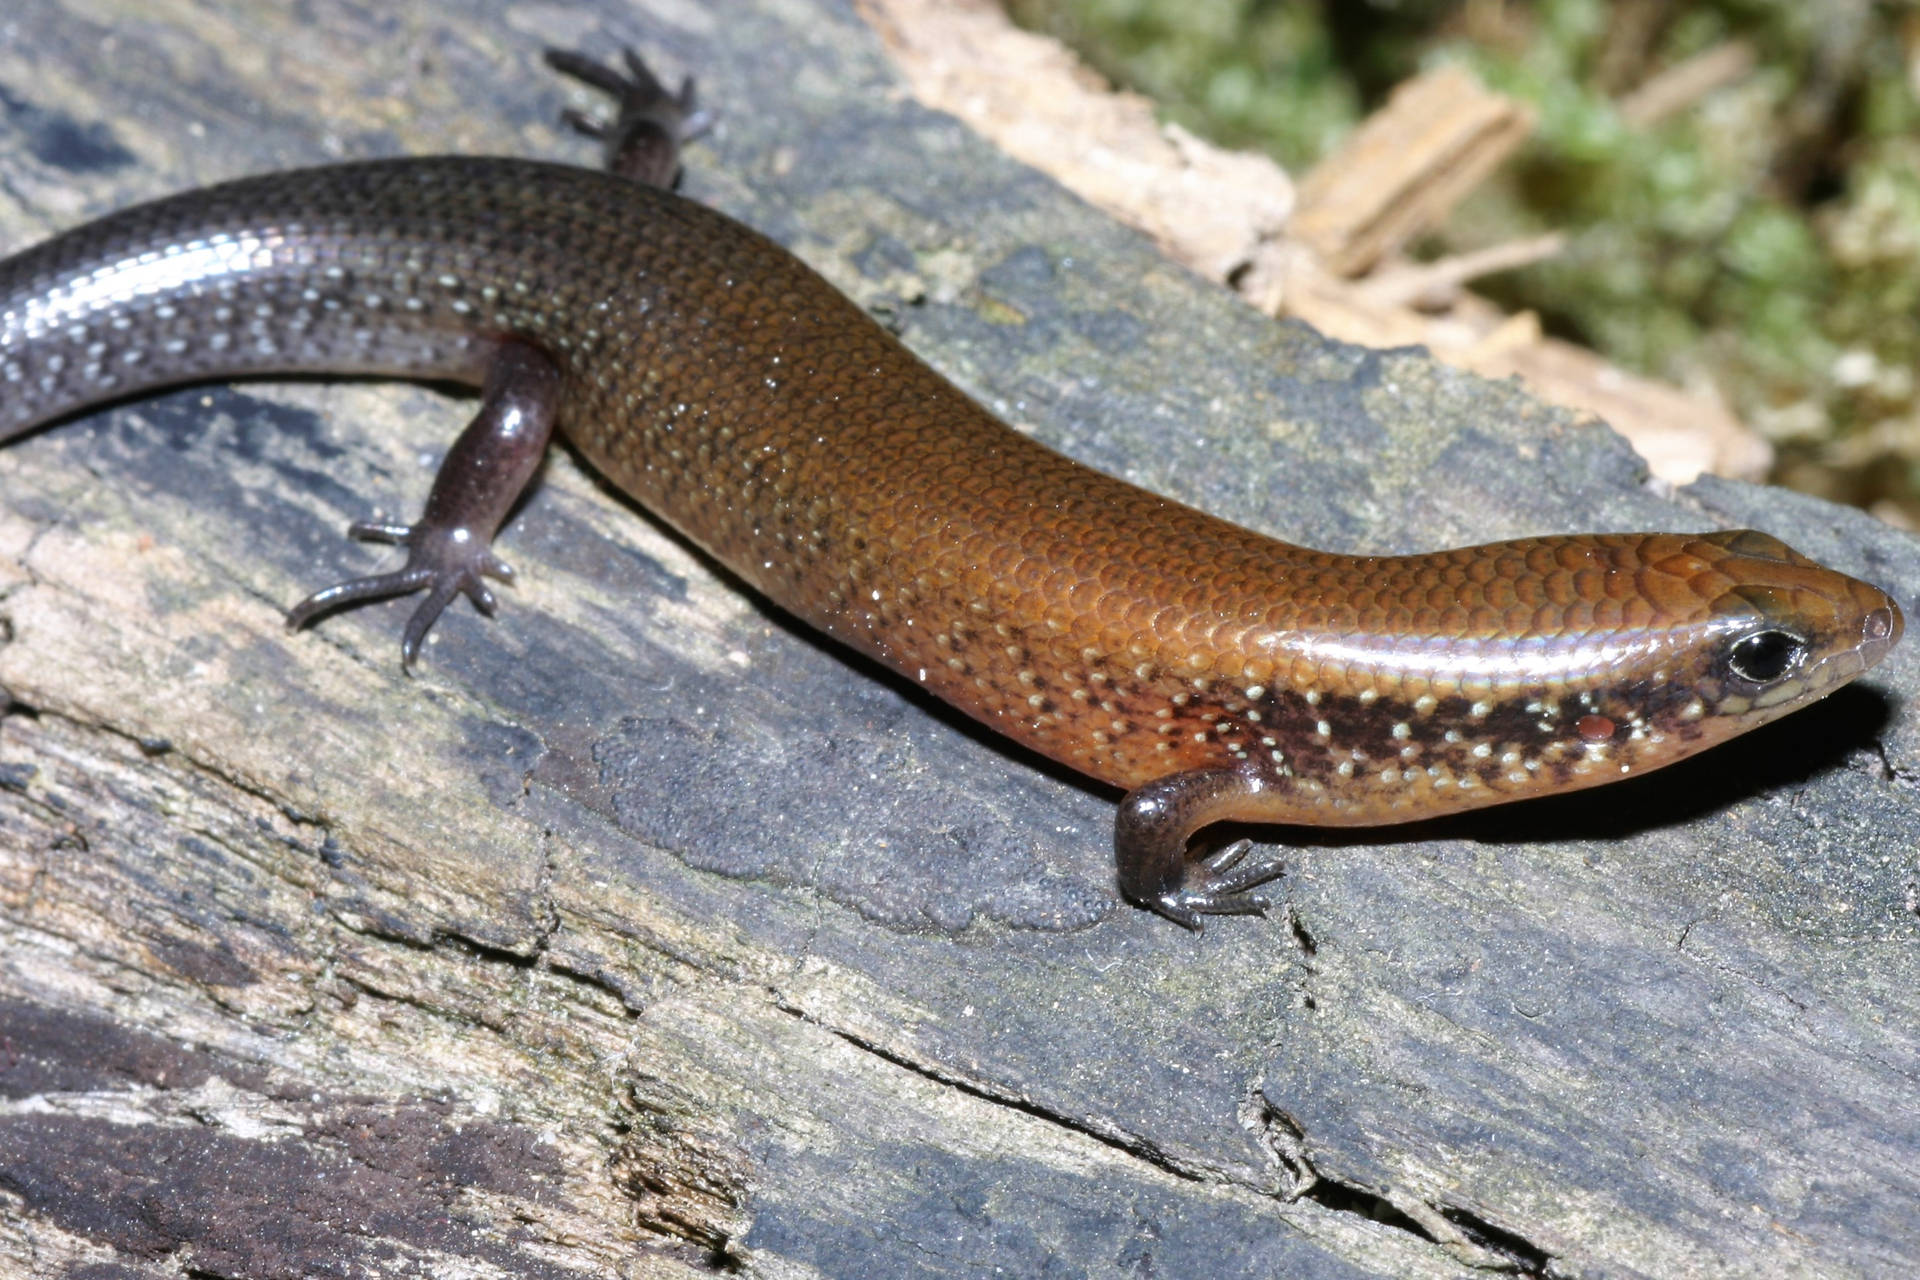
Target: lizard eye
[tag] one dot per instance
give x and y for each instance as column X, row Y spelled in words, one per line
column 1765, row 656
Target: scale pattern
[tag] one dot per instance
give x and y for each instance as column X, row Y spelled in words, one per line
column 729, row 388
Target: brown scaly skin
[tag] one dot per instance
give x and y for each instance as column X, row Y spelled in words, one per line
column 1212, row 672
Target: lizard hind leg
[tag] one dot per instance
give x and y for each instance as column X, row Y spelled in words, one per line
column 651, row 122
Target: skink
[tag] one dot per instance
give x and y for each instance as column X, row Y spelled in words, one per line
column 1210, row 672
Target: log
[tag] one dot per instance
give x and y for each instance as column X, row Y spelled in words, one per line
column 641, row 933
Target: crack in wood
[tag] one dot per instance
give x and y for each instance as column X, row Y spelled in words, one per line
column 1466, row 1236
column 1104, row 1135
column 1463, row 1234
column 686, row 1176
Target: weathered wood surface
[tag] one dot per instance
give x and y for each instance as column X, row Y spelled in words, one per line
column 640, row 934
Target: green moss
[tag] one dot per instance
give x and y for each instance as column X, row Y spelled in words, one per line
column 1766, row 236
column 1243, row 72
